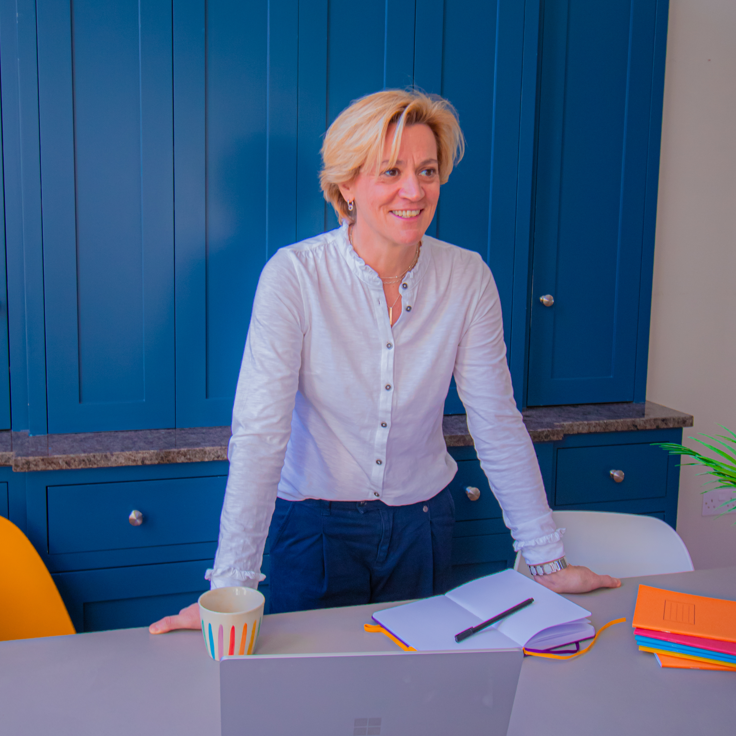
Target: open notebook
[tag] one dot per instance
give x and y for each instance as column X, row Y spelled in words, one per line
column 431, row 624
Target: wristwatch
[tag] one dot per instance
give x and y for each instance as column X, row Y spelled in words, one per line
column 548, row 567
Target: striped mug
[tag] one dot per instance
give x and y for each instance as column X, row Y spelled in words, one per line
column 231, row 620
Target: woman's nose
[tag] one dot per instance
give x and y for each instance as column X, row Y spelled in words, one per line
column 411, row 187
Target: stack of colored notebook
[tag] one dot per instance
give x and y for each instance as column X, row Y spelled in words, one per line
column 686, row 631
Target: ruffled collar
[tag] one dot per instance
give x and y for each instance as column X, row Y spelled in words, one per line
column 364, row 272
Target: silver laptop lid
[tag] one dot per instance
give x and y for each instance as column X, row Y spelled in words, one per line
column 373, row 694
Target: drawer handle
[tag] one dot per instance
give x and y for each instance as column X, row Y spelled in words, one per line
column 472, row 493
column 135, row 518
column 548, row 300
column 617, row 475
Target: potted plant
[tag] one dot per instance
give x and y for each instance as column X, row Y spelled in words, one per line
column 723, row 471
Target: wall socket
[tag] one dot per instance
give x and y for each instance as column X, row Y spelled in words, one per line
column 713, row 499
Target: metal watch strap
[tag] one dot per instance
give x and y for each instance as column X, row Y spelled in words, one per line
column 549, row 567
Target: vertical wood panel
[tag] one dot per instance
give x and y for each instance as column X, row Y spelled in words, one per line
column 478, row 206
column 4, row 353
column 105, row 93
column 596, row 84
column 235, row 73
column 21, row 171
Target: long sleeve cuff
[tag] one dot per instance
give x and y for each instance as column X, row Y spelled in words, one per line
column 543, row 549
column 230, row 577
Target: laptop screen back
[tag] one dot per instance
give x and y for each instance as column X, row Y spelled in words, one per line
column 376, row 694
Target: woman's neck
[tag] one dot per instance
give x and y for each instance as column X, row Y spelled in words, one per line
column 388, row 260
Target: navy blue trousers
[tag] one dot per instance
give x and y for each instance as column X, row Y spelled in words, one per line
column 346, row 553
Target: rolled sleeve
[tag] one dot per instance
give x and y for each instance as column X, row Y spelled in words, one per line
column 264, row 402
column 502, row 442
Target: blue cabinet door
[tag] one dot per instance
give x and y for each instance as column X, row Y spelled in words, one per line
column 256, row 85
column 600, row 83
column 4, row 353
column 235, row 76
column 472, row 53
column 105, row 111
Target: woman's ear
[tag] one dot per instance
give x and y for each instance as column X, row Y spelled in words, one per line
column 348, row 191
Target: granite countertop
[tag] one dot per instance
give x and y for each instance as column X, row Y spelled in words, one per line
column 206, row 444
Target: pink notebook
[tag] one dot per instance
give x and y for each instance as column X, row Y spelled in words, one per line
column 713, row 645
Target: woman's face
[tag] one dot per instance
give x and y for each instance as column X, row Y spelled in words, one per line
column 397, row 206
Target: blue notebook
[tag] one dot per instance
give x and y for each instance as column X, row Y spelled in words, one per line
column 666, row 646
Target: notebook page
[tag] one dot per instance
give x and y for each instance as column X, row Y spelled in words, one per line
column 431, row 624
column 489, row 596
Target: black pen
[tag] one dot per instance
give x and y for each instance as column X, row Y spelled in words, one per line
column 475, row 629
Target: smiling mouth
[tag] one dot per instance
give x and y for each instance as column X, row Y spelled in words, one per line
column 406, row 214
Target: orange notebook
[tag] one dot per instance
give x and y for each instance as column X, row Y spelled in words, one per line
column 682, row 613
column 665, row 660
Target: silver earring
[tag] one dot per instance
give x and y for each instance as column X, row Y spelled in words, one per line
column 350, row 205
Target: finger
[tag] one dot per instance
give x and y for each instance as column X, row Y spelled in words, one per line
column 606, row 581
column 168, row 623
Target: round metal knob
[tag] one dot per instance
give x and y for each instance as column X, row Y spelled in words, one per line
column 472, row 493
column 617, row 475
column 548, row 300
column 135, row 518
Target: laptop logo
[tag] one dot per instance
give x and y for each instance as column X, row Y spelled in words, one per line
column 367, row 727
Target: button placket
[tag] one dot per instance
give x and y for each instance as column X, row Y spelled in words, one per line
column 385, row 401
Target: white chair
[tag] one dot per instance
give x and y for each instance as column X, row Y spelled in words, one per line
column 621, row 545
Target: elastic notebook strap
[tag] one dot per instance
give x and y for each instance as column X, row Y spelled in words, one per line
column 582, row 651
column 376, row 629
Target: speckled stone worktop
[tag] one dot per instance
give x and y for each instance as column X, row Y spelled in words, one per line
column 161, row 446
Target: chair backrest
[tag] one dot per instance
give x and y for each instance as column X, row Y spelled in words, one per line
column 622, row 545
column 30, row 604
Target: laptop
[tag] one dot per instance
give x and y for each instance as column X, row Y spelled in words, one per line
column 468, row 692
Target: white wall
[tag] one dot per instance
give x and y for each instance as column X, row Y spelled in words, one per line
column 692, row 349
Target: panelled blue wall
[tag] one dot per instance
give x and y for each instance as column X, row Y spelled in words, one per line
column 105, row 103
column 156, row 155
column 4, row 356
column 599, row 105
column 238, row 156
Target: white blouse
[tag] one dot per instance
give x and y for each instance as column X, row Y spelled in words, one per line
column 334, row 403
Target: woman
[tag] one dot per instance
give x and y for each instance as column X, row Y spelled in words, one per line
column 337, row 424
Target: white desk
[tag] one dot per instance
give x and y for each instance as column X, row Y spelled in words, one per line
column 129, row 682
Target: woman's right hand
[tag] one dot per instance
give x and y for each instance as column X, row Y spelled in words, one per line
column 188, row 618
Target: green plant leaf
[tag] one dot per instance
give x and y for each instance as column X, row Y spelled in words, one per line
column 723, row 454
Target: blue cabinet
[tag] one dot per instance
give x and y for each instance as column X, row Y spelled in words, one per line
column 178, row 147
column 4, row 346
column 113, row 574
column 247, row 164
column 599, row 107
column 106, row 142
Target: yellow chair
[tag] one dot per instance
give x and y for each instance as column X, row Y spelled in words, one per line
column 30, row 604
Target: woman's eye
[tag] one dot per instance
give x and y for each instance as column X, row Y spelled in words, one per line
column 391, row 172
column 429, row 172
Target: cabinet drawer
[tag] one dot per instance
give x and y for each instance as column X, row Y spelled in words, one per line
column 470, row 474
column 584, row 473
column 94, row 517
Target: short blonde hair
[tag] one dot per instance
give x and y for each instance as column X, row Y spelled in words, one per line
column 357, row 136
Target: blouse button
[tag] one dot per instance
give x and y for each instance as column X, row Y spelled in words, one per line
column 389, row 345
column 408, row 309
column 376, row 494
column 388, row 387
column 383, row 424
column 404, row 286
column 379, row 462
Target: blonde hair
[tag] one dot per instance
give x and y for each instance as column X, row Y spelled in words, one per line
column 357, row 136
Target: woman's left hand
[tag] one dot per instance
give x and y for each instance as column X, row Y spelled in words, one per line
column 576, row 579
